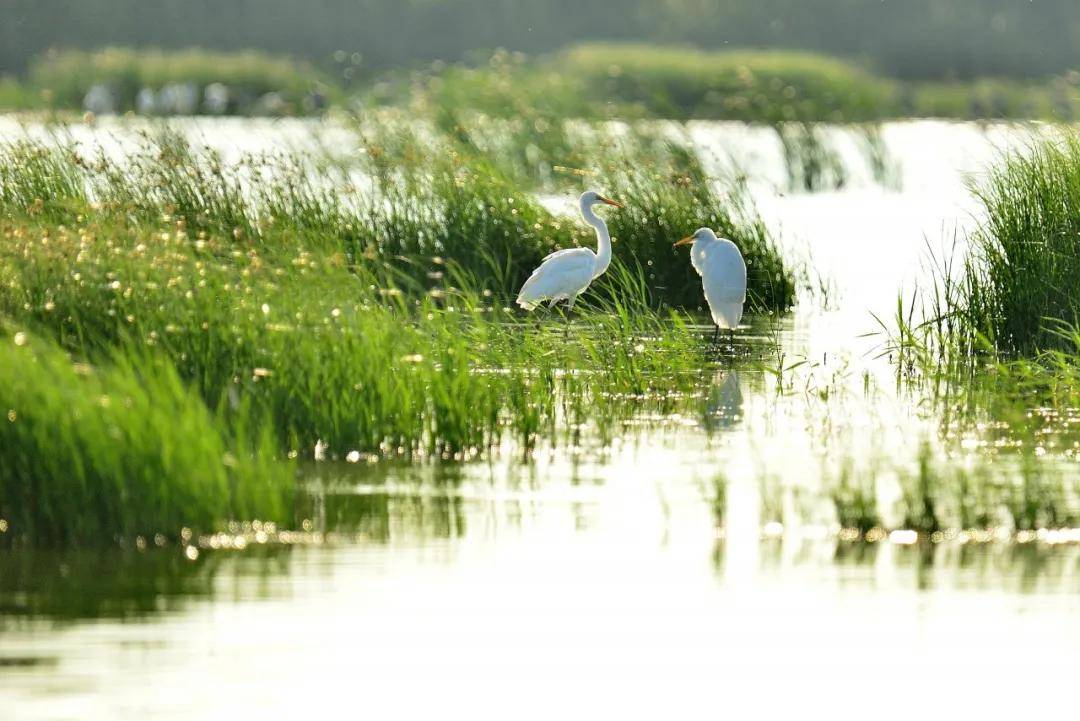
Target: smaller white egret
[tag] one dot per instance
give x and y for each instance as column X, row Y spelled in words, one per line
column 723, row 275
column 565, row 274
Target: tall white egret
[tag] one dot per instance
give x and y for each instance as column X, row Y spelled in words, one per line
column 565, row 274
column 723, row 275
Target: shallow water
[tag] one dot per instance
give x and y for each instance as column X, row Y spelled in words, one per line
column 695, row 567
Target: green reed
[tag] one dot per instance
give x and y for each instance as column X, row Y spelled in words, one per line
column 1008, row 300
column 94, row 452
column 293, row 310
column 382, row 346
column 1021, row 281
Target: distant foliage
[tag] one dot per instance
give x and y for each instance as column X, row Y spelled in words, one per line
column 675, row 82
column 772, row 86
column 909, row 38
column 65, row 77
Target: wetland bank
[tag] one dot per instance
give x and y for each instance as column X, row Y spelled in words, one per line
column 266, row 374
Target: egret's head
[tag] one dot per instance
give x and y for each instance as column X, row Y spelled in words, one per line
column 590, row 198
column 704, row 234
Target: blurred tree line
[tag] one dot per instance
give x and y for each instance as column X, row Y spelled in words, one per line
column 904, row 38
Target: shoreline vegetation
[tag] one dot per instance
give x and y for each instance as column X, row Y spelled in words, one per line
column 589, row 81
column 1013, row 296
column 297, row 318
column 1000, row 343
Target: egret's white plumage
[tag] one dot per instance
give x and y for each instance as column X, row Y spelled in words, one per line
column 565, row 274
column 723, row 275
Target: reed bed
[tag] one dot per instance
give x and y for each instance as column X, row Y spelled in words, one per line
column 655, row 170
column 286, row 322
column 300, row 308
column 1012, row 294
column 91, row 452
column 1022, row 282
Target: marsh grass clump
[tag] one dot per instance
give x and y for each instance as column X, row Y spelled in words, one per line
column 89, row 453
column 15, row 96
column 508, row 85
column 41, row 181
column 534, row 150
column 633, row 81
column 463, row 207
column 302, row 307
column 433, row 207
column 627, row 80
column 1018, row 286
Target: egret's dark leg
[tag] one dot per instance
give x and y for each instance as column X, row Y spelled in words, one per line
column 715, row 334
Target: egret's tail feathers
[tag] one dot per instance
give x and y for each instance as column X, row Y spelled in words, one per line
column 527, row 298
column 727, row 315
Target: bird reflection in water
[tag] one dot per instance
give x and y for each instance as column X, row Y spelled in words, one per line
column 724, row 405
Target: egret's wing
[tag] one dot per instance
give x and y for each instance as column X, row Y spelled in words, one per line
column 723, row 272
column 698, row 253
column 563, row 274
column 562, row 252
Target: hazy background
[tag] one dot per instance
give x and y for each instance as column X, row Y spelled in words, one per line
column 904, row 38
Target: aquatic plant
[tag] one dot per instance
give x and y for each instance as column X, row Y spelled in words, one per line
column 289, row 317
column 41, row 181
column 90, row 453
column 366, row 350
column 15, row 95
column 1011, row 293
column 994, row 98
column 1022, row 277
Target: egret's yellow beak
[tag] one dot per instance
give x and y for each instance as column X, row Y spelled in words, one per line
column 685, row 241
column 609, row 201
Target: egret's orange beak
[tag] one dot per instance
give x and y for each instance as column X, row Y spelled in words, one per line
column 609, row 201
column 685, row 241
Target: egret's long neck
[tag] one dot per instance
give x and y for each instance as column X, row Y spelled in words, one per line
column 603, row 239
